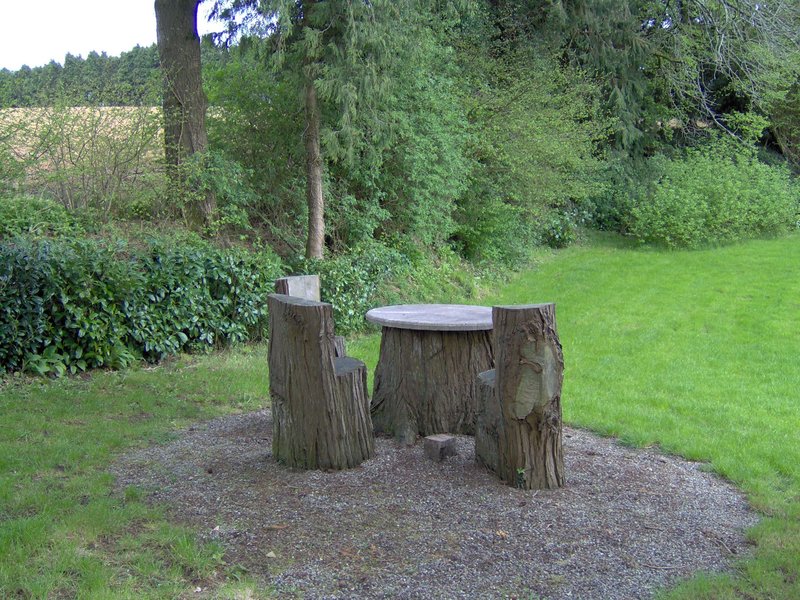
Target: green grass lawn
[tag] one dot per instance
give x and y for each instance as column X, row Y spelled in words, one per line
column 63, row 533
column 698, row 352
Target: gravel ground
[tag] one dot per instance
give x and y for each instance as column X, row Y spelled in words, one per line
column 401, row 526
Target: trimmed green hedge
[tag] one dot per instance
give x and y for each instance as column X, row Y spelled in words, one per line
column 72, row 305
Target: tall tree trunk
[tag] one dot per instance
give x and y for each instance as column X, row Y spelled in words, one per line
column 184, row 102
column 315, row 243
column 314, row 197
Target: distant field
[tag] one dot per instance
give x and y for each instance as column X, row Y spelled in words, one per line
column 82, row 156
column 34, row 130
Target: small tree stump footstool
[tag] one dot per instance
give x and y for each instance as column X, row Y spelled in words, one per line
column 440, row 446
column 519, row 431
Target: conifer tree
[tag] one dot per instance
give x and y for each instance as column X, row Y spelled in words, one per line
column 338, row 53
column 697, row 60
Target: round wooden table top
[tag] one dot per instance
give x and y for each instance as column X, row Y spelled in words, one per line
column 433, row 317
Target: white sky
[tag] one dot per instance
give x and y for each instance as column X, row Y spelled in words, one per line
column 34, row 32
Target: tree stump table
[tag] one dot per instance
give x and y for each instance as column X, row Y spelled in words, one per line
column 425, row 381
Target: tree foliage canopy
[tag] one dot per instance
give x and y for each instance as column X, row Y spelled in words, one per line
column 480, row 127
column 130, row 79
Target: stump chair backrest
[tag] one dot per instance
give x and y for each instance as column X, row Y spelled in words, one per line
column 299, row 325
column 300, row 286
column 308, row 287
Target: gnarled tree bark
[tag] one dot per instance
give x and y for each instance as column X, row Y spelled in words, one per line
column 184, row 101
column 425, row 381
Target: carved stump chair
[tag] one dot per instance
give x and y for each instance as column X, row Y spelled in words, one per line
column 518, row 430
column 320, row 406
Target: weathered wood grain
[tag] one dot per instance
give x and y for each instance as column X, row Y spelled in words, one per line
column 320, row 405
column 308, row 287
column 425, row 381
column 519, row 431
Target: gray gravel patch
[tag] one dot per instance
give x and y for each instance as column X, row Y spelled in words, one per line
column 628, row 522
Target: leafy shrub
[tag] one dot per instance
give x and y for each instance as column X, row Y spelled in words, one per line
column 262, row 136
column 534, row 142
column 557, row 229
column 87, row 324
column 351, row 282
column 785, row 116
column 85, row 157
column 212, row 172
column 58, row 307
column 23, row 215
column 625, row 183
column 441, row 277
column 716, row 194
column 426, row 167
column 24, row 289
column 199, row 296
column 71, row 305
column 493, row 231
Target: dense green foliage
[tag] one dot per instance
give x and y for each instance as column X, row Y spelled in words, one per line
column 504, row 126
column 28, row 215
column 78, row 294
column 77, row 304
column 490, row 148
column 714, row 194
column 679, row 68
column 390, row 123
column 534, row 139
